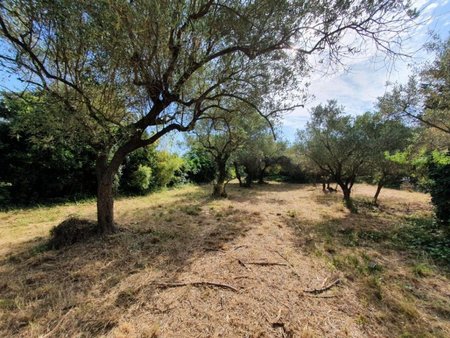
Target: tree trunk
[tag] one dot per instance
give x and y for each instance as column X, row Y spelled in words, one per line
column 248, row 180
column 347, row 190
column 248, row 175
column 219, row 189
column 347, row 198
column 262, row 173
column 377, row 193
column 238, row 173
column 324, row 188
column 105, row 198
column 219, row 185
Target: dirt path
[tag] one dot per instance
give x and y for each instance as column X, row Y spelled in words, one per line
column 270, row 301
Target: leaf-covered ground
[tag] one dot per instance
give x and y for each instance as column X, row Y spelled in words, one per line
column 386, row 267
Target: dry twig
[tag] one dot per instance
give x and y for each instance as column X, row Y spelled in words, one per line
column 288, row 263
column 196, row 283
column 263, row 263
column 329, row 286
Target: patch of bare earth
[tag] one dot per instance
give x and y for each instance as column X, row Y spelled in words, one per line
column 272, row 261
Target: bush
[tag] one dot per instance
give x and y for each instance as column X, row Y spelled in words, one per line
column 423, row 236
column 141, row 179
column 167, row 165
column 439, row 173
column 199, row 166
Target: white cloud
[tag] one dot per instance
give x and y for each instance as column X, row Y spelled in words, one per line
column 358, row 88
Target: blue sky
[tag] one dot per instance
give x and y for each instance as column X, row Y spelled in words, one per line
column 365, row 78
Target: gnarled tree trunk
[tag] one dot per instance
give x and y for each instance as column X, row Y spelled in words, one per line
column 105, row 198
column 248, row 180
column 347, row 190
column 219, row 185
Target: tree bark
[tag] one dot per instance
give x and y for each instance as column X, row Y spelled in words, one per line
column 105, row 198
column 248, row 180
column 262, row 173
column 219, row 185
column 238, row 174
column 347, row 198
column 219, row 189
column 377, row 193
column 347, row 191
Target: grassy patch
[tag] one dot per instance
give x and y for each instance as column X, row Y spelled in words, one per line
column 424, row 238
column 383, row 251
column 92, row 283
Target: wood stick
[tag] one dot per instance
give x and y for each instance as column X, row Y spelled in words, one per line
column 262, row 263
column 323, row 297
column 196, row 283
column 240, row 246
column 289, row 263
column 329, row 286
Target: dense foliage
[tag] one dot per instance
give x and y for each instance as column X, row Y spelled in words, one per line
column 439, row 173
column 48, row 170
column 199, row 166
column 38, row 167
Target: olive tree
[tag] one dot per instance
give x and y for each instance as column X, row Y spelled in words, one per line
column 222, row 133
column 128, row 69
column 259, row 153
column 387, row 140
column 337, row 144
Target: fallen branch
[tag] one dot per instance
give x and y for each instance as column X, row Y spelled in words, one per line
column 313, row 296
column 197, row 283
column 288, row 263
column 243, row 276
column 240, row 246
column 329, row 286
column 263, row 263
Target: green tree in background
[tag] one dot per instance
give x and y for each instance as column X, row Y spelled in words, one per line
column 387, row 138
column 439, row 172
column 199, row 166
column 338, row 145
column 222, row 133
column 39, row 166
column 425, row 98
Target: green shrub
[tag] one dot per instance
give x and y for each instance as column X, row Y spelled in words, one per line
column 141, row 179
column 167, row 165
column 439, row 173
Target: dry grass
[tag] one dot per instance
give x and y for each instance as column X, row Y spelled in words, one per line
column 108, row 287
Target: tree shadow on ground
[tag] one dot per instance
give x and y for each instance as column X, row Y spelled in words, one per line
column 83, row 289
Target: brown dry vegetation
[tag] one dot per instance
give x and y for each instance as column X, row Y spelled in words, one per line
column 109, row 286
